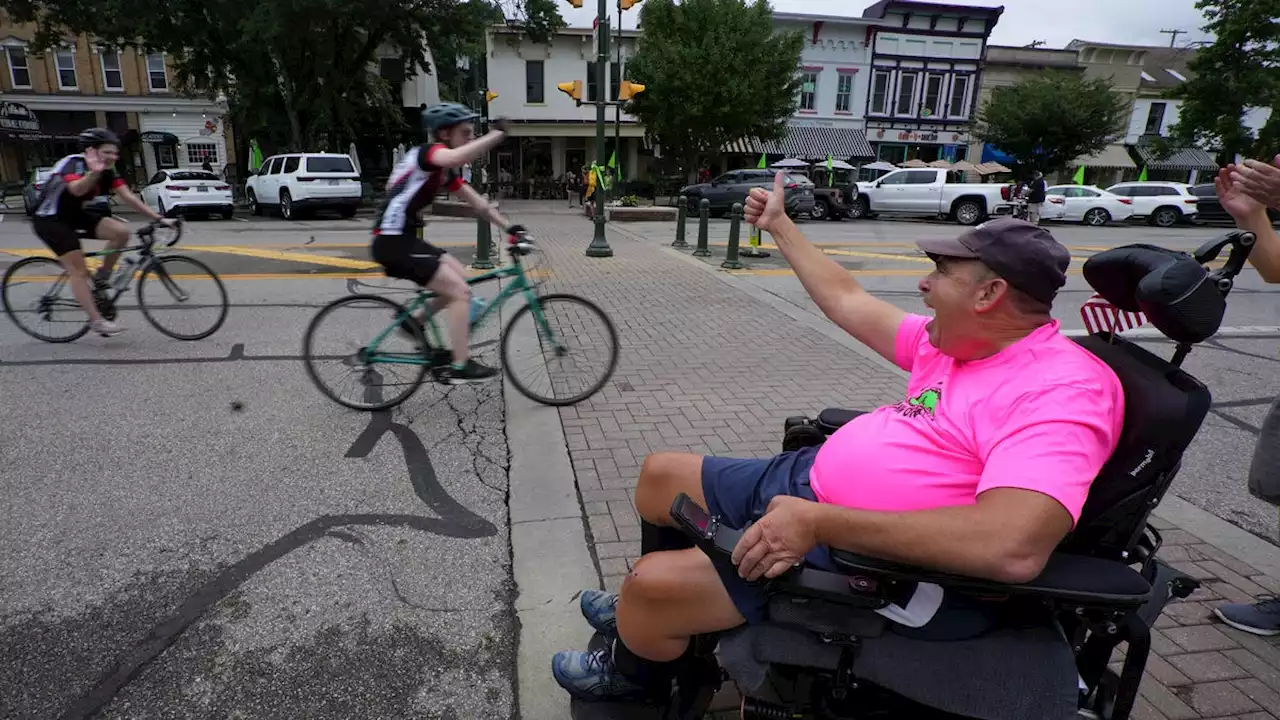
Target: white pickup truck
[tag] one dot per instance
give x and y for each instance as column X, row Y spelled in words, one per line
column 927, row 192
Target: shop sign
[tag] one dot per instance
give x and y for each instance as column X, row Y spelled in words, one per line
column 18, row 118
column 159, row 138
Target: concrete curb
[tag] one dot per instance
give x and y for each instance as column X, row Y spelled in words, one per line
column 550, row 551
column 1241, row 544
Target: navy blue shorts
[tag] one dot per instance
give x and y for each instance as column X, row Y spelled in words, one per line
column 739, row 491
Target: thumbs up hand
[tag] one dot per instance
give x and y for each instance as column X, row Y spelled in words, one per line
column 764, row 207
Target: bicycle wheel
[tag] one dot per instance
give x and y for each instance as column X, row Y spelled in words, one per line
column 184, row 279
column 330, row 340
column 37, row 298
column 565, row 336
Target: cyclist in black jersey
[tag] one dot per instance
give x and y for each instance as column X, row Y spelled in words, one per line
column 413, row 184
column 60, row 217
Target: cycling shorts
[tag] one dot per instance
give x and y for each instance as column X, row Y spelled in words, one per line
column 406, row 257
column 62, row 234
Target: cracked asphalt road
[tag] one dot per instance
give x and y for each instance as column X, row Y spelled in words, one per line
column 166, row 555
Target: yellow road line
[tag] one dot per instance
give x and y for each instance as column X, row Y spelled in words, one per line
column 264, row 254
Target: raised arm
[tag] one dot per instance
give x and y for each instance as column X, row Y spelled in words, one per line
column 1246, row 191
column 841, row 298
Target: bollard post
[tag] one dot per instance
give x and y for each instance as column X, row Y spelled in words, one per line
column 484, row 245
column 731, row 261
column 681, row 216
column 704, row 214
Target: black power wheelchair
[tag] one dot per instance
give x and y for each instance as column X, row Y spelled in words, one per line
column 823, row 653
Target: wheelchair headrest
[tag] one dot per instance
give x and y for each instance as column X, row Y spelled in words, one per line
column 1175, row 292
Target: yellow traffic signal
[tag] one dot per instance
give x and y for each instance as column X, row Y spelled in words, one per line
column 489, row 96
column 572, row 88
column 627, row 4
column 628, row 89
column 576, row 3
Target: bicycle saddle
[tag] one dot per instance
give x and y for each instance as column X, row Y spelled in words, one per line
column 1175, row 292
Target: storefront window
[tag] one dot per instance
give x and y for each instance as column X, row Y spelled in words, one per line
column 197, row 153
column 166, row 156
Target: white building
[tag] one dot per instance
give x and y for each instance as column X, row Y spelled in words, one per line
column 927, row 66
column 549, row 134
column 834, row 64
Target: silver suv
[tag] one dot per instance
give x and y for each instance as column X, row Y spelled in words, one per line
column 1164, row 204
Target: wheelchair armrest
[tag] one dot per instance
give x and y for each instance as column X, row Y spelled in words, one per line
column 832, row 419
column 1066, row 578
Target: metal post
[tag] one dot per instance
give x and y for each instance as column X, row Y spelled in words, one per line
column 599, row 246
column 704, row 215
column 484, row 245
column 682, row 214
column 731, row 261
column 617, row 112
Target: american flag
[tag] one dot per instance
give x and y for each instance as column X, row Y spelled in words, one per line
column 1101, row 316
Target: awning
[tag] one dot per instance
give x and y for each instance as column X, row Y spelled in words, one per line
column 745, row 146
column 1192, row 158
column 1112, row 156
column 159, row 138
column 816, row 143
column 990, row 153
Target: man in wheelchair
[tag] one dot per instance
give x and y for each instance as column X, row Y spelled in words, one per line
column 920, row 546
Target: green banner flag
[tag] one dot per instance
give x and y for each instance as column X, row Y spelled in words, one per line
column 613, row 159
column 1142, row 177
column 762, row 164
column 1079, row 176
column 830, row 165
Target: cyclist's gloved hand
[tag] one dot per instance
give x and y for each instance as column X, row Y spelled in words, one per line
column 514, row 230
column 499, row 124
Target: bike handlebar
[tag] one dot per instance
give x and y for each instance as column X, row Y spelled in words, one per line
column 147, row 232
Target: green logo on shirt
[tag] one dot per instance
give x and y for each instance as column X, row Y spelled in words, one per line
column 926, row 402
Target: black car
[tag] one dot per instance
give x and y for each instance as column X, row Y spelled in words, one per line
column 1210, row 210
column 733, row 186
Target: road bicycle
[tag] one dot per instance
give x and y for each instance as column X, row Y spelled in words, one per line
column 38, row 290
column 560, row 334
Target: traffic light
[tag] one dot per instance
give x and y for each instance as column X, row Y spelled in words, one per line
column 573, row 89
column 628, row 89
column 489, row 96
column 627, row 4
column 576, row 3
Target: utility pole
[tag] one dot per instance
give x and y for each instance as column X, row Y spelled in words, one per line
column 1173, row 35
column 617, row 110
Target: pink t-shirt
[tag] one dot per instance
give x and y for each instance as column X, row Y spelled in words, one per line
column 1043, row 414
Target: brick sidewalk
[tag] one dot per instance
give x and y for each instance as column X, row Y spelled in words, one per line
column 707, row 368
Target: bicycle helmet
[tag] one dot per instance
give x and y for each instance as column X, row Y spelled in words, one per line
column 93, row 137
column 446, row 115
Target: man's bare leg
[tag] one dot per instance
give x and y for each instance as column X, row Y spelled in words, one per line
column 664, row 476
column 668, row 598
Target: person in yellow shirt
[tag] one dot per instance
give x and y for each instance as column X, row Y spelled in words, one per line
column 1246, row 190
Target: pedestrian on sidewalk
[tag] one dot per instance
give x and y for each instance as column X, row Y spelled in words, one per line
column 1246, row 191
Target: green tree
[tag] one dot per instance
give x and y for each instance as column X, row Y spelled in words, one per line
column 1049, row 120
column 1239, row 70
column 303, row 72
column 715, row 71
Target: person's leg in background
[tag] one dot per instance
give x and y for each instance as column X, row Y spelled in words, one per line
column 1262, row 617
column 1033, row 213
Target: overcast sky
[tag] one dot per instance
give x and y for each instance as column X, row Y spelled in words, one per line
column 1056, row 22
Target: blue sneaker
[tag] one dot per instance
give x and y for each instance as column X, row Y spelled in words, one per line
column 600, row 610
column 591, row 676
column 1260, row 618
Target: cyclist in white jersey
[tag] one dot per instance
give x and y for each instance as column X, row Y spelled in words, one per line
column 413, row 184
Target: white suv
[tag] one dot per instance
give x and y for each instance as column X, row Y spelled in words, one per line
column 1162, row 203
column 305, row 181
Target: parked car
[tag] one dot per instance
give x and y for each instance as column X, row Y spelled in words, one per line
column 732, row 187
column 181, row 192
column 34, row 184
column 1163, row 204
column 1210, row 210
column 1088, row 204
column 929, row 191
column 300, row 182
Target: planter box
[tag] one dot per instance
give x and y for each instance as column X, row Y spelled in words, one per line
column 640, row 214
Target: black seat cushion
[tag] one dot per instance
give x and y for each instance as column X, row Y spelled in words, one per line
column 833, row 419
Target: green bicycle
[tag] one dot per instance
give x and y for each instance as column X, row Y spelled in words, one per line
column 560, row 334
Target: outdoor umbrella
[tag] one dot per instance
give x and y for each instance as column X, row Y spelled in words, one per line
column 915, row 164
column 880, row 165
column 942, row 164
column 790, row 163
column 840, row 165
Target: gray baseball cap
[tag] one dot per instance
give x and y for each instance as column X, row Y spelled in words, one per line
column 1025, row 255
